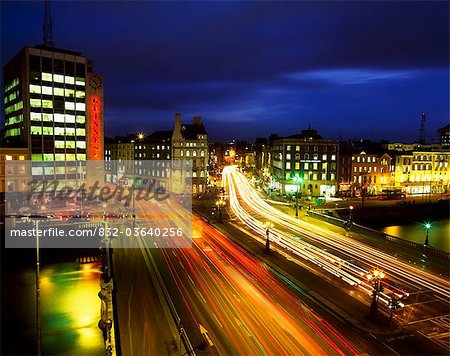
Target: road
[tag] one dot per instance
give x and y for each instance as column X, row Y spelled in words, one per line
column 425, row 295
column 219, row 288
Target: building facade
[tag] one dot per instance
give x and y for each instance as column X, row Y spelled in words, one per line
column 307, row 156
column 444, row 136
column 54, row 107
column 190, row 144
column 422, row 172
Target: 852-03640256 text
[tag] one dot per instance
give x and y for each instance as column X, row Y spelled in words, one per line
column 99, row 231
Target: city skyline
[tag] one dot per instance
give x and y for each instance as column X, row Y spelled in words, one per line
column 252, row 69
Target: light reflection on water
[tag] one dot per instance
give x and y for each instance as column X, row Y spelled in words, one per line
column 70, row 308
column 439, row 234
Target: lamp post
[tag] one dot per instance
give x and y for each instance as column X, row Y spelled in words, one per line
column 268, row 225
column 428, row 227
column 298, row 181
column 220, row 203
column 350, row 216
column 376, row 276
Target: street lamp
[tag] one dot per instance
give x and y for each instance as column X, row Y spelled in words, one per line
column 350, row 216
column 428, row 227
column 298, row 181
column 268, row 225
column 220, row 203
column 140, row 136
column 376, row 276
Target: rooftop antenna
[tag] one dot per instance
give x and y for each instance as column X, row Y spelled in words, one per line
column 47, row 26
column 422, row 129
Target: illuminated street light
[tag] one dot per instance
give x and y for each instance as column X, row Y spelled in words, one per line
column 140, row 136
column 268, row 225
column 428, row 227
column 375, row 277
column 350, row 217
column 220, row 203
column 298, row 181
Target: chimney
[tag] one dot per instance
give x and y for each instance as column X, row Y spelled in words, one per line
column 177, row 129
column 197, row 120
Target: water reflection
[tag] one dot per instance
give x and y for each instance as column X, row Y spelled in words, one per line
column 70, row 308
column 439, row 234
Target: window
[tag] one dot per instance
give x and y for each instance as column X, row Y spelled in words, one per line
column 36, row 130
column 80, row 106
column 288, row 147
column 306, row 156
column 80, row 119
column 47, row 90
column 314, row 165
column 69, row 105
column 202, row 153
column 47, row 117
column 297, row 165
column 70, row 119
column 58, row 91
column 288, row 165
column 297, row 148
column 333, row 157
column 324, row 157
column 314, row 176
column 59, row 118
column 81, row 132
column 35, row 116
column 324, row 176
column 81, row 156
column 59, row 131
column 35, row 89
column 59, row 144
column 69, row 80
column 80, row 94
column 47, row 130
column 49, row 157
column 81, row 144
column 58, row 78
column 47, row 104
column 47, row 77
column 35, row 103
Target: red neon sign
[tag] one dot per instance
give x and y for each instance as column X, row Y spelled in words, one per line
column 95, row 128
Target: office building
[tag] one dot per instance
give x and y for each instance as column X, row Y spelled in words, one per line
column 54, row 108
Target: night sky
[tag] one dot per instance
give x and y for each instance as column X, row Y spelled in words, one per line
column 349, row 69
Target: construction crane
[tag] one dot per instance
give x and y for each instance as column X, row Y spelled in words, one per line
column 422, row 129
column 47, row 26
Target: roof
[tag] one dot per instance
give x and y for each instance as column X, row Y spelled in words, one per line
column 190, row 131
column 159, row 136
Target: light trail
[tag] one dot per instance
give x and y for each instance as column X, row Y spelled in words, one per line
column 246, row 309
column 365, row 257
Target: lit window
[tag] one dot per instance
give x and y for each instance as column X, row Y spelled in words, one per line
column 288, row 156
column 80, row 119
column 58, row 78
column 47, row 117
column 47, row 130
column 59, row 118
column 47, row 104
column 288, row 165
column 81, row 132
column 70, row 119
column 333, row 157
column 69, row 92
column 35, row 116
column 80, row 94
column 36, row 89
column 59, row 144
column 81, row 106
column 81, row 156
column 47, row 90
column 59, row 131
column 69, row 105
column 69, row 80
column 81, row 144
column 70, row 131
column 58, row 91
column 36, row 130
column 324, row 157
column 79, row 81
column 70, row 144
column 35, row 103
column 8, row 158
column 47, row 77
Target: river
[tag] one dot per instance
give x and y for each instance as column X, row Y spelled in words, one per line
column 438, row 235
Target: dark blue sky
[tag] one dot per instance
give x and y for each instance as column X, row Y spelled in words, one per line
column 350, row 69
